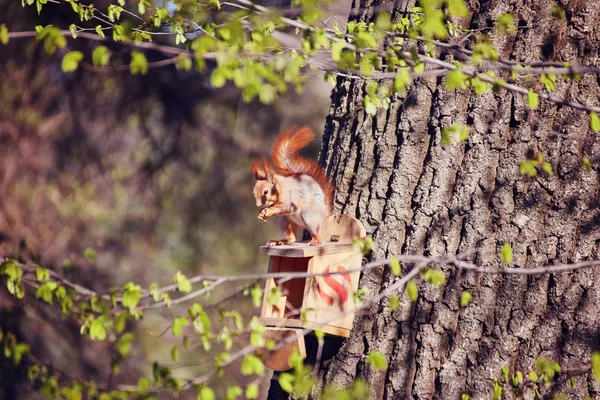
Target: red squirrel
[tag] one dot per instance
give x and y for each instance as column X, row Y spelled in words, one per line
column 296, row 188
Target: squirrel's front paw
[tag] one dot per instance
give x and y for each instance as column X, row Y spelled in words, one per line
column 265, row 213
column 262, row 214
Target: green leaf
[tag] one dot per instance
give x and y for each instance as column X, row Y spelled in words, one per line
column 218, row 78
column 533, row 376
column 465, row 298
column 124, row 344
column 252, row 391
column 99, row 31
column 547, row 167
column 395, row 266
column 142, row 7
column 506, row 253
column 4, row 34
column 517, row 378
column 233, row 392
column 73, row 29
column 532, row 99
column 393, row 303
column 586, row 164
column 434, row 277
column 464, row 396
column 42, row 274
column 558, row 13
column 596, row 365
column 377, row 360
column 178, row 324
column 527, row 167
column 457, row 8
column 183, row 62
column 336, row 50
column 446, row 137
column 206, row 393
column 505, row 370
column 594, row 122
column 434, row 24
column 402, row 80
column 419, row 68
column 45, row 291
column 101, row 56
column 162, row 14
column 120, row 321
column 456, row 79
column 412, row 291
column 174, row 353
column 97, row 331
column 286, row 381
column 203, row 44
column 132, row 295
column 69, row 64
column 331, row 79
column 139, row 63
column 71, row 393
column 183, row 284
column 370, row 106
column 257, row 293
column 144, row 384
column 497, row 395
column 19, row 351
column 252, row 365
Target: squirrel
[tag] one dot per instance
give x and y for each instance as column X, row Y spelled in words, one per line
column 296, row 188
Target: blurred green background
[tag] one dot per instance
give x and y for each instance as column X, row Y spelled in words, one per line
column 110, row 177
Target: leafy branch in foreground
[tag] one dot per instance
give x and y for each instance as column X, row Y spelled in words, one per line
column 263, row 51
column 104, row 317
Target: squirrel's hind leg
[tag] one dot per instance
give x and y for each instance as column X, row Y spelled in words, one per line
column 289, row 230
column 312, row 223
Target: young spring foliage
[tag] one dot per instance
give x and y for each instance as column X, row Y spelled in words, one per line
column 243, row 48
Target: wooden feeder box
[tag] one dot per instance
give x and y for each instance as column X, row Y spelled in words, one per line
column 321, row 298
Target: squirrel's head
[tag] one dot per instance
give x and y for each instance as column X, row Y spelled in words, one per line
column 265, row 189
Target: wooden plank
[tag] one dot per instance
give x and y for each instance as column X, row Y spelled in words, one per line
column 326, row 297
column 299, row 324
column 302, row 249
column 343, row 228
column 337, row 234
column 266, row 309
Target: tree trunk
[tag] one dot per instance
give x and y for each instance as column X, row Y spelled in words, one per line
column 417, row 196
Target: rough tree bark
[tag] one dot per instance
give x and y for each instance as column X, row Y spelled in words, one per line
column 416, row 196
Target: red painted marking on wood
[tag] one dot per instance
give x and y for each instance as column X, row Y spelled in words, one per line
column 340, row 289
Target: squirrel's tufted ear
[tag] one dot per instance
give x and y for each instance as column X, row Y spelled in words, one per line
column 259, row 170
column 268, row 168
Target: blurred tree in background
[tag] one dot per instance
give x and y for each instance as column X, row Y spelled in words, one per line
column 108, row 177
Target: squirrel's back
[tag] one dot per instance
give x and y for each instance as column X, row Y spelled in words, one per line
column 288, row 162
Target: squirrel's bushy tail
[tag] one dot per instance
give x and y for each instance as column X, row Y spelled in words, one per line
column 288, row 162
column 286, row 147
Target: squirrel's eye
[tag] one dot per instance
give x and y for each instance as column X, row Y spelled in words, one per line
column 266, row 192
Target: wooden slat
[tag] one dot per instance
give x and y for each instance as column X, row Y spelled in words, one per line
column 337, row 234
column 266, row 309
column 298, row 324
column 302, row 249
